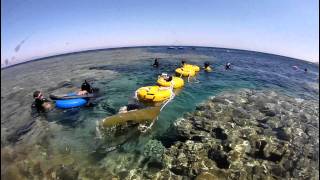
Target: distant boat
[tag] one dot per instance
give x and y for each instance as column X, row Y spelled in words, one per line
column 171, row 47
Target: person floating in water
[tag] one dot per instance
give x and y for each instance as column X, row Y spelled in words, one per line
column 207, row 67
column 166, row 77
column 183, row 63
column 156, row 63
column 130, row 107
column 40, row 103
column 228, row 66
column 305, row 70
column 85, row 88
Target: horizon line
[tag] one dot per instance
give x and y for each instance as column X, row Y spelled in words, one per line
column 141, row 46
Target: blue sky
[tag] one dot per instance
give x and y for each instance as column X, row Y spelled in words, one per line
column 38, row 28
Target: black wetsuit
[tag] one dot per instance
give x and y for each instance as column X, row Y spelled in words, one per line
column 156, row 63
column 169, row 79
column 131, row 107
column 206, row 65
column 38, row 104
column 86, row 86
column 228, row 66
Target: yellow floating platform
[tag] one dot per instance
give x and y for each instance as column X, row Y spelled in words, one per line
column 154, row 93
column 176, row 81
column 186, row 72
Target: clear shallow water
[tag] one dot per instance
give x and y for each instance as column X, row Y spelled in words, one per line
column 118, row 73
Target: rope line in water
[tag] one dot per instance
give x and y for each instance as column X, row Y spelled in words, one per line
column 144, row 128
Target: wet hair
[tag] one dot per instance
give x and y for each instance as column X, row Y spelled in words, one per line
column 206, row 64
column 36, row 94
column 182, row 62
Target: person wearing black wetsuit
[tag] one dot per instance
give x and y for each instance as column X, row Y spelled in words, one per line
column 206, row 65
column 130, row 107
column 39, row 102
column 228, row 66
column 182, row 63
column 168, row 79
column 86, row 87
column 156, row 63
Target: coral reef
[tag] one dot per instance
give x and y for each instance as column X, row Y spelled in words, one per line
column 247, row 135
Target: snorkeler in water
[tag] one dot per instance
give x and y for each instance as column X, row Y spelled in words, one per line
column 166, row 77
column 40, row 103
column 228, row 66
column 156, row 63
column 130, row 107
column 207, row 67
column 85, row 88
column 183, row 63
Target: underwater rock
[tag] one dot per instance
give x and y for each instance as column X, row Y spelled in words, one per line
column 93, row 172
column 66, row 173
column 206, row 176
column 184, row 160
column 180, row 164
column 201, row 124
column 183, row 128
column 12, row 172
column 219, row 133
column 220, row 157
column 247, row 135
column 166, row 175
column 153, row 149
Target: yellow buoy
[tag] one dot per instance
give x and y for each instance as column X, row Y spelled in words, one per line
column 208, row 69
column 176, row 81
column 194, row 67
column 185, row 72
column 153, row 93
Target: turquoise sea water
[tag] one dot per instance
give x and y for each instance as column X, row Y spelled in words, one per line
column 118, row 73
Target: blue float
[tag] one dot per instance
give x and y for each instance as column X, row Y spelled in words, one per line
column 72, row 95
column 70, row 103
